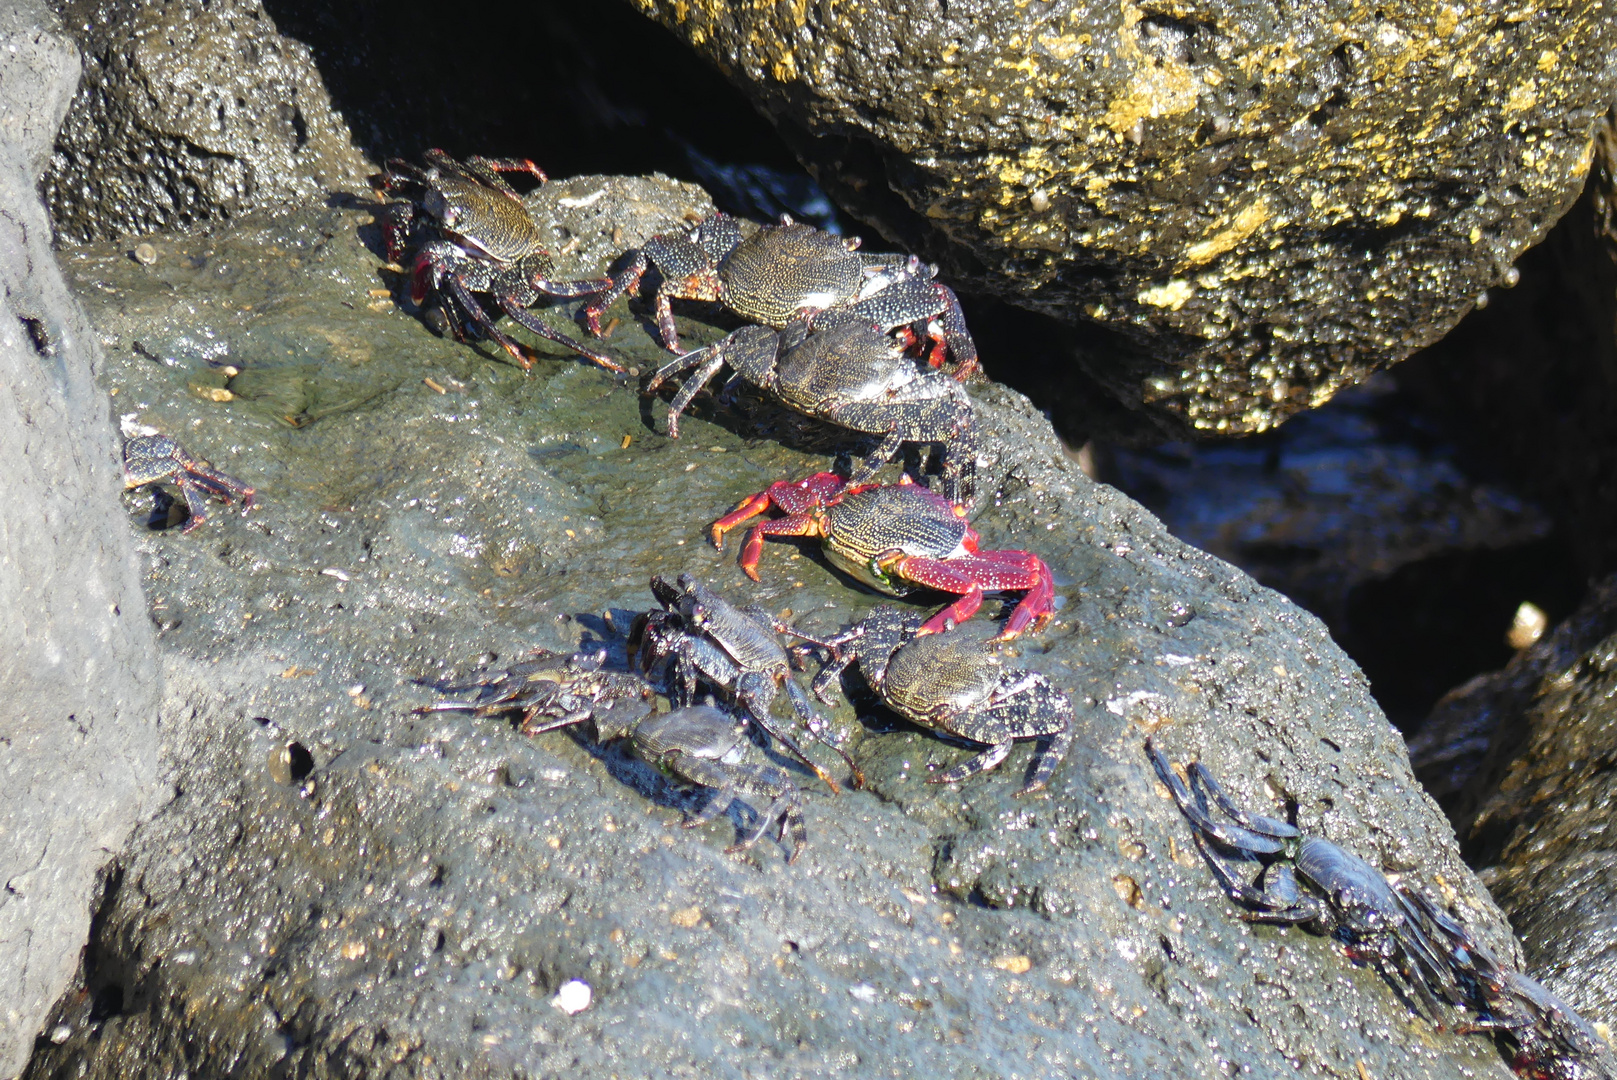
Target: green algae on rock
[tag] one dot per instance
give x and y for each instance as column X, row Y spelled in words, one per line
column 1263, row 204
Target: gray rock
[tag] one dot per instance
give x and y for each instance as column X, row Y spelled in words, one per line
column 1260, row 205
column 1536, row 806
column 416, row 901
column 190, row 111
column 78, row 752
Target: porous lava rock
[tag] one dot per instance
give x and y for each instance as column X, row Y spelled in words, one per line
column 1254, row 205
column 78, row 747
column 189, row 110
column 344, row 888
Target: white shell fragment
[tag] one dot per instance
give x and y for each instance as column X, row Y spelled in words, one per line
column 573, row 997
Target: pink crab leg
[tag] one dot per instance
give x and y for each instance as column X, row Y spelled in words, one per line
column 793, row 498
column 750, row 507
column 970, row 577
column 792, row 525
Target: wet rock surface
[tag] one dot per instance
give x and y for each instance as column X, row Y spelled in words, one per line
column 341, row 887
column 1536, row 811
column 1254, row 209
column 78, row 753
column 189, row 111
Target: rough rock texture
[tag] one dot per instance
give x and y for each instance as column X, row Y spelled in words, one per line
column 1261, row 204
column 77, row 752
column 413, row 903
column 1537, row 812
column 189, row 110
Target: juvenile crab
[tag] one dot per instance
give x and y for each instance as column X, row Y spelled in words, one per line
column 1359, row 905
column 1548, row 1039
column 697, row 745
column 701, row 745
column 151, row 459
column 897, row 538
column 780, row 270
column 486, row 242
column 840, row 367
column 734, row 649
column 553, row 690
column 954, row 684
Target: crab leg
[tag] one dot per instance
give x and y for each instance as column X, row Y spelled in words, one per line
column 973, row 575
column 984, row 761
column 959, row 339
column 796, row 498
column 709, row 367
column 474, row 311
column 623, row 281
column 791, row 525
column 1202, row 778
column 1232, row 837
column 515, row 310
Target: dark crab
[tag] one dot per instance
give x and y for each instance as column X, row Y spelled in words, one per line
column 696, row 745
column 151, row 459
column 897, row 538
column 552, row 690
column 701, row 745
column 1357, row 904
column 780, row 270
column 483, row 241
column 1548, row 1040
column 840, row 367
column 954, row 683
column 734, row 649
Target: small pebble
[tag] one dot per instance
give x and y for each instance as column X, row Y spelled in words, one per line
column 280, row 765
column 60, row 1034
column 1040, row 201
column 145, row 254
column 573, row 997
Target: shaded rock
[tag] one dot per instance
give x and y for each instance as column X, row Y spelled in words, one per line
column 1366, row 513
column 1528, row 386
column 1476, row 731
column 1537, row 811
column 420, row 895
column 78, row 752
column 1260, row 206
column 189, row 111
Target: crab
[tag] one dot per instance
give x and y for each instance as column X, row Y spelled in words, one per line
column 696, row 745
column 552, row 690
column 1358, row 904
column 954, row 684
column 779, row 270
column 1549, row 1040
column 152, row 459
column 897, row 538
column 702, row 745
column 734, row 649
column 486, row 242
column 840, row 367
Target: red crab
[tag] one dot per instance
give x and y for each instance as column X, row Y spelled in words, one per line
column 897, row 538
